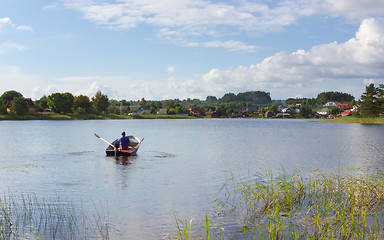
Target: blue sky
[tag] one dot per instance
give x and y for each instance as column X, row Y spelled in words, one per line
column 167, row 49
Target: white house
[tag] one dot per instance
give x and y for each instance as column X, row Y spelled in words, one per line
column 330, row 104
column 324, row 111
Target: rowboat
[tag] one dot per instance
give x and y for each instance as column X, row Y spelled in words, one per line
column 115, row 151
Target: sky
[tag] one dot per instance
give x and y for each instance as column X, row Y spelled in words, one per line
column 168, row 49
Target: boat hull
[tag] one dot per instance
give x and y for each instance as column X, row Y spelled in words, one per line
column 110, row 151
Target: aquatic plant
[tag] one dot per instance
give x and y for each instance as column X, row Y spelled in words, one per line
column 288, row 206
column 28, row 217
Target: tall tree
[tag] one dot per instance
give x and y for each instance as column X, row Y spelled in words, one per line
column 100, row 102
column 305, row 111
column 19, row 106
column 60, row 102
column 143, row 102
column 8, row 96
column 369, row 99
column 168, row 104
column 81, row 103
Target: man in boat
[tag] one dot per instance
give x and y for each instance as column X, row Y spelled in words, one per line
column 124, row 142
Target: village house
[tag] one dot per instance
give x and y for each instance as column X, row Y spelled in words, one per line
column 341, row 105
column 31, row 106
column 122, row 109
column 211, row 114
column 330, row 104
column 142, row 109
column 324, row 112
column 162, row 111
column 282, row 115
column 268, row 114
column 193, row 110
column 346, row 113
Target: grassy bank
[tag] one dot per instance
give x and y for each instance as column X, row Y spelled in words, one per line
column 289, row 206
column 376, row 120
column 27, row 217
column 88, row 117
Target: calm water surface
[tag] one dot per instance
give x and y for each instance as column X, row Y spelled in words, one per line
column 180, row 167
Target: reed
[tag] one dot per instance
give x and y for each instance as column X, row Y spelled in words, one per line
column 27, row 217
column 288, row 206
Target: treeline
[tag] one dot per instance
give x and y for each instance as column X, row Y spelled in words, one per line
column 372, row 101
column 67, row 103
column 63, row 103
column 322, row 98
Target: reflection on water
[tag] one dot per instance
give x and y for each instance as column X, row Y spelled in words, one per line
column 179, row 168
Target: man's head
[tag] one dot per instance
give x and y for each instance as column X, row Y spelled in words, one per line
column 123, row 134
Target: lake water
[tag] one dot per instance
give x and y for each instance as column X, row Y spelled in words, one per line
column 180, row 166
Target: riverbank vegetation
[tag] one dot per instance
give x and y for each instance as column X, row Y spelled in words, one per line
column 255, row 104
column 290, row 206
column 364, row 120
column 25, row 216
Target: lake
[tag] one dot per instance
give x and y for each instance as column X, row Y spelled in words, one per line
column 181, row 164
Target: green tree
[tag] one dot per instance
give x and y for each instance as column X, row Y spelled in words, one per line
column 60, row 102
column 168, row 104
column 369, row 99
column 211, row 99
column 19, row 106
column 143, row 102
column 258, row 97
column 8, row 96
column 100, row 102
column 81, row 104
column 325, row 97
column 305, row 111
column 228, row 97
column 3, row 110
column 42, row 102
column 222, row 110
column 273, row 109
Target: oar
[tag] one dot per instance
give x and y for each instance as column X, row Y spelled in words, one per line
column 138, row 145
column 110, row 144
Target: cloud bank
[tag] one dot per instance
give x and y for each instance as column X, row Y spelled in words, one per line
column 185, row 22
column 348, row 66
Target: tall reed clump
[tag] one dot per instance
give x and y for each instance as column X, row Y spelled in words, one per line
column 289, row 206
column 27, row 217
column 322, row 206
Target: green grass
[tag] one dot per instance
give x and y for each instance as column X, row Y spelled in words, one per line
column 289, row 206
column 350, row 119
column 26, row 216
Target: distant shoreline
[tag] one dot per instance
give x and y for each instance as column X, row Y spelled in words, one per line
column 37, row 116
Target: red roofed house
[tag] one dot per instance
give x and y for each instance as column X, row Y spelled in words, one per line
column 193, row 110
column 340, row 105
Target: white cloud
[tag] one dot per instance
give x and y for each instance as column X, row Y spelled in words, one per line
column 354, row 9
column 9, row 46
column 231, row 45
column 25, row 28
column 361, row 57
column 4, row 22
column 178, row 20
column 171, row 69
column 13, row 78
column 368, row 81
